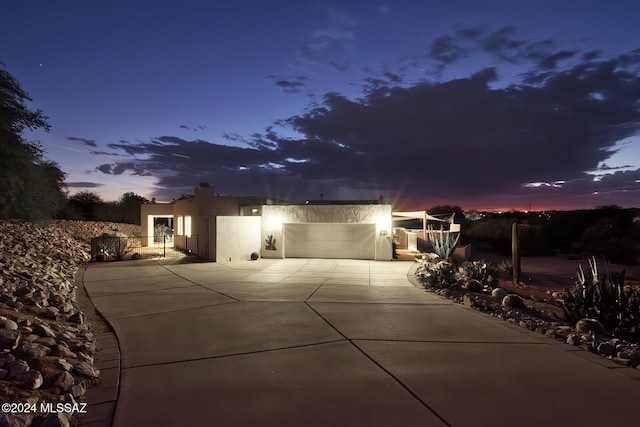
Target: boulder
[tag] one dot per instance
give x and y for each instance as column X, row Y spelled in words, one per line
column 590, row 325
column 65, row 365
column 78, row 390
column 8, row 324
column 85, row 369
column 31, row 379
column 9, row 339
column 513, row 301
column 33, row 350
column 65, row 381
column 77, row 318
column 473, row 285
column 44, row 331
column 16, row 368
column 499, row 293
column 6, row 358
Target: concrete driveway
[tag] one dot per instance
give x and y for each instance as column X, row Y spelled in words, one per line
column 335, row 342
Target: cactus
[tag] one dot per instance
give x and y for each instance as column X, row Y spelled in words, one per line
column 515, row 253
column 270, row 243
column 443, row 245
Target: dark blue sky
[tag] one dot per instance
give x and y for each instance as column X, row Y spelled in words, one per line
column 493, row 104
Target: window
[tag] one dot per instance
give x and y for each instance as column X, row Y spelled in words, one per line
column 180, row 226
column 187, row 226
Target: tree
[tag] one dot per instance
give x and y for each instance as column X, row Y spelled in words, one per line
column 130, row 207
column 87, row 203
column 30, row 187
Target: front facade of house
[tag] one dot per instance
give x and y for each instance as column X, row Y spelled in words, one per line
column 232, row 228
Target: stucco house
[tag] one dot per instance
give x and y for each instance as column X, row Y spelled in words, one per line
column 232, row 228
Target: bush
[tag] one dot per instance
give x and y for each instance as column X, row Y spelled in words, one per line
column 476, row 270
column 442, row 275
column 113, row 245
column 436, row 276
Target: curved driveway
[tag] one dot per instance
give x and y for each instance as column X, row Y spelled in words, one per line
column 334, row 342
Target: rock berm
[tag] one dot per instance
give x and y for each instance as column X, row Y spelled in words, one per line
column 46, row 348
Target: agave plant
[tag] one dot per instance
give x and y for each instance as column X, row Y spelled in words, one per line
column 443, row 243
column 605, row 298
column 579, row 303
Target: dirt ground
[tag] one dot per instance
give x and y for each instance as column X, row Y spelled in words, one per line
column 544, row 278
column 554, row 273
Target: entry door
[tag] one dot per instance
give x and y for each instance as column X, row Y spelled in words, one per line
column 329, row 240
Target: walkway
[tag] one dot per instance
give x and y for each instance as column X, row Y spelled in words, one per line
column 335, row 342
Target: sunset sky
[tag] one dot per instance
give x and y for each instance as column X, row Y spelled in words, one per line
column 486, row 105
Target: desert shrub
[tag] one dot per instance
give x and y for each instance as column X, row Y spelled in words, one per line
column 476, row 270
column 605, row 298
column 506, row 266
column 160, row 231
column 439, row 275
column 113, row 245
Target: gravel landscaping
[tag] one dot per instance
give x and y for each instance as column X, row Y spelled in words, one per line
column 46, row 347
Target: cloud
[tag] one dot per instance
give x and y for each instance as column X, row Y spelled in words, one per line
column 87, row 142
column 195, row 129
column 445, row 49
column 455, row 140
column 105, row 153
column 83, row 184
column 330, row 45
column 292, row 85
column 551, row 61
column 503, row 45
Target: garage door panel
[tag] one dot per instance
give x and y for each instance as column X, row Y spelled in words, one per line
column 323, row 240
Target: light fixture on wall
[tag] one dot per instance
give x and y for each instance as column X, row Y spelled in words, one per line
column 383, row 225
column 274, row 222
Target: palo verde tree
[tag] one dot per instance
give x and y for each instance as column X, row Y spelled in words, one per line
column 30, row 186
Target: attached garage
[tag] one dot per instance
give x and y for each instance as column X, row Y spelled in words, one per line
column 330, row 240
column 355, row 231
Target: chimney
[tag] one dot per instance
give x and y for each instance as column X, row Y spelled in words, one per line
column 203, row 189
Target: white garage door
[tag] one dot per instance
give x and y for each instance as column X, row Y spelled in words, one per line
column 356, row 241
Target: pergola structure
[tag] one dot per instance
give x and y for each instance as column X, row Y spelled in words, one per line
column 423, row 215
